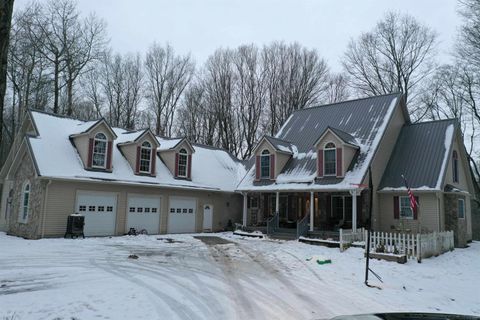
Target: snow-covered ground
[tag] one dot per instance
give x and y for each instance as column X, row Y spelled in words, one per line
column 247, row 279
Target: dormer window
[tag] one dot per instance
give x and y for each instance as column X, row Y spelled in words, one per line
column 99, row 159
column 455, row 166
column 330, row 159
column 265, row 164
column 182, row 163
column 145, row 157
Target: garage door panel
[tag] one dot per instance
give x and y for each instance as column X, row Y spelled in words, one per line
column 100, row 213
column 181, row 215
column 144, row 213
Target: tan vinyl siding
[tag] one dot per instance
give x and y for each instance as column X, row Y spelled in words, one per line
column 129, row 151
column 82, row 142
column 348, row 154
column 428, row 213
column 168, row 157
column 380, row 161
column 62, row 199
column 281, row 160
column 329, row 137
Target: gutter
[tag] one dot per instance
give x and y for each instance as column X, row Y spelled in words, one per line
column 45, row 207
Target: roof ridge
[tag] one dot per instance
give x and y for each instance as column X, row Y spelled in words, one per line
column 348, row 101
column 432, row 121
column 49, row 113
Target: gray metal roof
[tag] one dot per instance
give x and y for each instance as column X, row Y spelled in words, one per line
column 346, row 137
column 279, row 144
column 419, row 154
column 360, row 120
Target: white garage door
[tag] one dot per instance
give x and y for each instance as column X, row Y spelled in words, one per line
column 100, row 211
column 143, row 212
column 181, row 215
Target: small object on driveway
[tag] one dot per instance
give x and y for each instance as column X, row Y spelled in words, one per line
column 133, row 256
column 135, row 232
column 319, row 260
column 75, row 224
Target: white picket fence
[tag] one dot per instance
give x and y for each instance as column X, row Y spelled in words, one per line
column 414, row 246
column 347, row 237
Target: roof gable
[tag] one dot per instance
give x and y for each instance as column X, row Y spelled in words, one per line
column 278, row 145
column 346, row 138
column 92, row 126
column 142, row 135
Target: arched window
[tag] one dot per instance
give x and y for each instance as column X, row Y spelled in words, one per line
column 145, row 157
column 265, row 164
column 330, row 159
column 182, row 163
column 455, row 166
column 99, row 159
column 24, row 203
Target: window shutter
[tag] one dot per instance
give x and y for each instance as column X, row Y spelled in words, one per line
column 176, row 164
column 339, row 162
column 189, row 166
column 90, row 153
column 257, row 168
column 415, row 212
column 154, row 160
column 109, row 155
column 272, row 166
column 396, row 208
column 137, row 164
column 320, row 162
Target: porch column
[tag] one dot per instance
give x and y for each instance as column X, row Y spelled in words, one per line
column 311, row 210
column 354, row 210
column 277, row 203
column 245, row 199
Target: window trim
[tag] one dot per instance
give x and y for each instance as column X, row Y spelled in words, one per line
column 182, row 153
column 455, row 176
column 95, row 139
column 149, row 149
column 23, row 211
column 458, row 206
column 265, row 154
column 325, row 149
column 400, row 208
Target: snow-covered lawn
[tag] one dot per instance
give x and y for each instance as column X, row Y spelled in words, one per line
column 247, row 279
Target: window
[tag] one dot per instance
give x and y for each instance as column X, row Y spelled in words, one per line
column 185, row 211
column 265, row 164
column 455, row 166
column 99, row 151
column 145, row 157
column 461, row 209
column 330, row 159
column 147, row 210
column 253, row 202
column 154, row 210
column 190, row 210
column 179, row 210
column 139, row 209
column 131, row 209
column 172, row 210
column 25, row 203
column 182, row 163
column 109, row 209
column 91, row 208
column 101, row 208
column 82, row 208
column 405, row 209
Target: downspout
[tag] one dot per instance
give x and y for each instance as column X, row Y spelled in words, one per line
column 45, row 199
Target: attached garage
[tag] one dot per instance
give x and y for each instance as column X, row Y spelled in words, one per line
column 143, row 212
column 100, row 211
column 181, row 215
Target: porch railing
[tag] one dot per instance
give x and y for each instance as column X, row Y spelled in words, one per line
column 302, row 226
column 347, row 237
column 272, row 223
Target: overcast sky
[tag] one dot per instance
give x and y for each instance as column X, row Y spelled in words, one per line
column 201, row 26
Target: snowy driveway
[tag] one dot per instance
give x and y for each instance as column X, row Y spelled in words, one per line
column 235, row 279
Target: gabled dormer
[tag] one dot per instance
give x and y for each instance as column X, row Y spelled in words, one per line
column 94, row 144
column 336, row 150
column 177, row 156
column 141, row 152
column 271, row 155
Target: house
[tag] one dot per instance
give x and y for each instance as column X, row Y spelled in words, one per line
column 313, row 173
column 116, row 178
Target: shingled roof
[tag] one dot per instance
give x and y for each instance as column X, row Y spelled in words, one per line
column 364, row 120
column 421, row 154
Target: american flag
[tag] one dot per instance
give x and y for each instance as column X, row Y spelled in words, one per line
column 413, row 202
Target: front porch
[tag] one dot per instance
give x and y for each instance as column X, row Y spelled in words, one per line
column 314, row 214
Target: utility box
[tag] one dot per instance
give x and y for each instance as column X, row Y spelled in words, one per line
column 75, row 224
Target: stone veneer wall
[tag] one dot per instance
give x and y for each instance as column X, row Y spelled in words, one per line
column 452, row 222
column 31, row 229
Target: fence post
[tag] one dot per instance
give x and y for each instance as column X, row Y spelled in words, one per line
column 419, row 245
column 341, row 240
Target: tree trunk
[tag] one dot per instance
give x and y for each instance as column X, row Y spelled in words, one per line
column 69, row 97
column 55, row 86
column 6, row 8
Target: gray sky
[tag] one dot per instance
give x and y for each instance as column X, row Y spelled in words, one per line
column 201, row 26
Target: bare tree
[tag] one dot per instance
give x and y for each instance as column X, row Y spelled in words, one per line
column 397, row 55
column 6, row 9
column 167, row 76
column 337, row 88
column 468, row 46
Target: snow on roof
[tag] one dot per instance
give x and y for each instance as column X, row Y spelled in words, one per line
column 56, row 157
column 365, row 120
column 167, row 144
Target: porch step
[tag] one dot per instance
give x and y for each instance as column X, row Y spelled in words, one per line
column 284, row 236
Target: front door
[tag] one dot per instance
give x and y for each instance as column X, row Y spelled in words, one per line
column 207, row 217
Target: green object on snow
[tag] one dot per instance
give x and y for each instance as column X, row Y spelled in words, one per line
column 324, row 261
